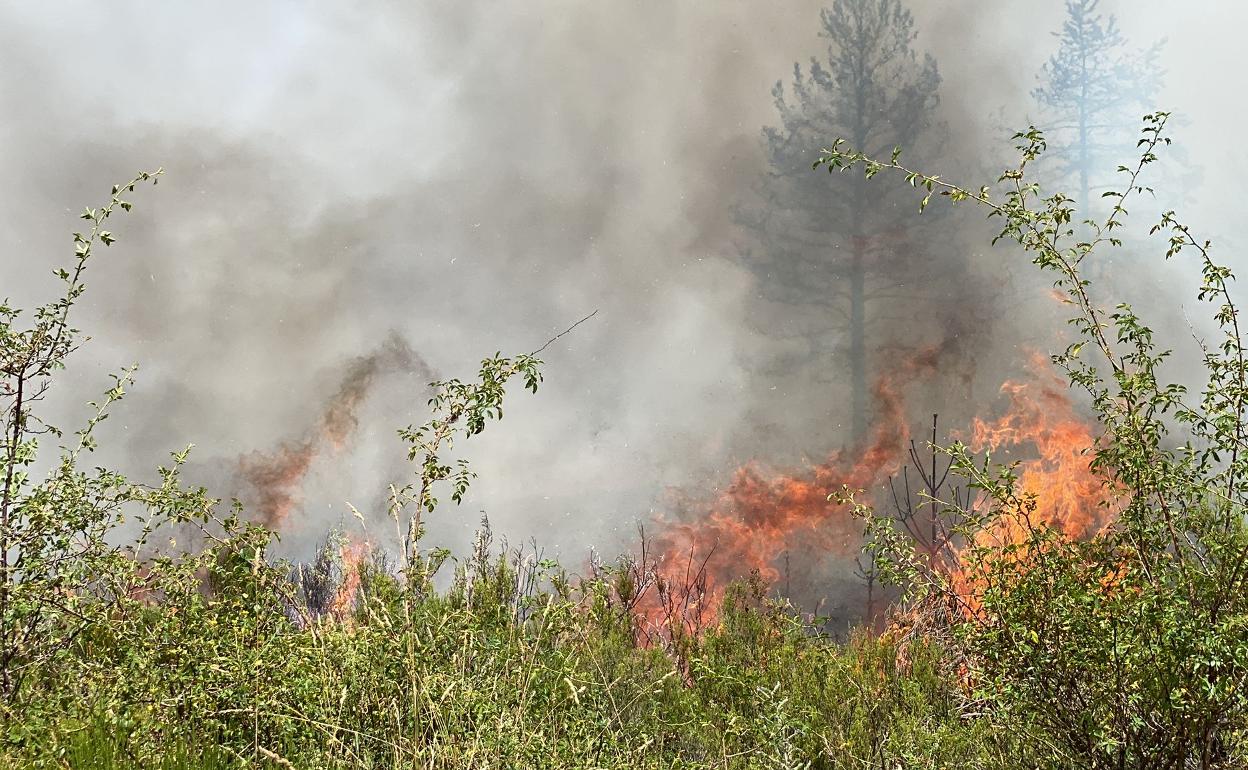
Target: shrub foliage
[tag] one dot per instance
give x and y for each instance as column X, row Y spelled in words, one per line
column 1128, row 648
column 122, row 647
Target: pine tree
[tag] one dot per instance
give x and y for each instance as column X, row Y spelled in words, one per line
column 830, row 243
column 1093, row 91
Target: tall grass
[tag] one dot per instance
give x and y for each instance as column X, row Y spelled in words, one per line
column 494, row 672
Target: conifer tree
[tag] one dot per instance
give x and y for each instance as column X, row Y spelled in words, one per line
column 1092, row 92
column 832, row 245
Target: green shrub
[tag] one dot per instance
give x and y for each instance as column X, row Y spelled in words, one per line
column 1128, row 648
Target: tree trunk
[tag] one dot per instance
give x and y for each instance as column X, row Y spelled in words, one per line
column 6, row 533
column 857, row 337
column 858, row 267
column 1085, row 160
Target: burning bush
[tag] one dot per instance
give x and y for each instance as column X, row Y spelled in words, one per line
column 1100, row 601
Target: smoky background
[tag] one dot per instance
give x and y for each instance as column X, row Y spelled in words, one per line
column 472, row 177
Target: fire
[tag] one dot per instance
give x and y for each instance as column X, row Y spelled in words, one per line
column 276, row 477
column 352, row 555
column 1056, row 489
column 763, row 516
column 1068, row 494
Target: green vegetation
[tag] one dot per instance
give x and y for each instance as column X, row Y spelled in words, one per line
column 1015, row 645
column 123, row 649
column 552, row 681
column 1129, row 647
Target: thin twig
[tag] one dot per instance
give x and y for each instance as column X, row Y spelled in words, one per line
column 552, row 340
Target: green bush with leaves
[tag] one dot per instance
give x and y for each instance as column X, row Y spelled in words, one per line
column 84, row 592
column 1128, row 648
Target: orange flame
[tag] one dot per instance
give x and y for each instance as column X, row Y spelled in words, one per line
column 352, row 554
column 1057, row 489
column 1041, row 415
column 762, row 515
column 277, row 477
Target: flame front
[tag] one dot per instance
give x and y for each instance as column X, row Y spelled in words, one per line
column 763, row 517
column 1056, row 490
column 1068, row 494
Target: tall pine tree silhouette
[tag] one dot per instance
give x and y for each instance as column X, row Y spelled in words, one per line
column 832, row 244
column 1092, row 94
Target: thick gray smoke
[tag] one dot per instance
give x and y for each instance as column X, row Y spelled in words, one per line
column 473, row 177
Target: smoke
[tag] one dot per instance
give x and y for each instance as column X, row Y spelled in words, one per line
column 275, row 479
column 475, row 177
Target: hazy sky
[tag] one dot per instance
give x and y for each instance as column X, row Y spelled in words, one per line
column 474, row 177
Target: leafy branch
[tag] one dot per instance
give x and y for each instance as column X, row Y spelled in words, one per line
column 461, row 410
